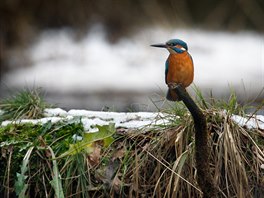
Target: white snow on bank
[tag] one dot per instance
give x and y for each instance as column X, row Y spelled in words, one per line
column 126, row 120
column 254, row 122
column 61, row 63
column 90, row 119
column 55, row 112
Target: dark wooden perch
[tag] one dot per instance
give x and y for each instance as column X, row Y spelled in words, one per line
column 205, row 179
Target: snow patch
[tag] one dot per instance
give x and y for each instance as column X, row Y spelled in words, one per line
column 90, row 119
column 254, row 122
column 35, row 121
column 54, row 112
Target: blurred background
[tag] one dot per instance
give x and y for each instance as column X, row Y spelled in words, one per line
column 95, row 54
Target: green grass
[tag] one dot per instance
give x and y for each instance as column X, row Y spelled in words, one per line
column 157, row 161
column 27, row 104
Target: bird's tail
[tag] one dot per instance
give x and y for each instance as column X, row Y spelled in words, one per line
column 172, row 96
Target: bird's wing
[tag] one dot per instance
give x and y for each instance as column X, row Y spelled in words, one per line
column 166, row 69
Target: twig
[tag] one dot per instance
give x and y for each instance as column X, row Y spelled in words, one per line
column 205, row 179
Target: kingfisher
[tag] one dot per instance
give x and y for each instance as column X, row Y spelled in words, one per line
column 178, row 67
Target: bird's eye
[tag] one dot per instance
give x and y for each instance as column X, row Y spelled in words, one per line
column 170, row 44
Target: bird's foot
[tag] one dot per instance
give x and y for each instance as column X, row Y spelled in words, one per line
column 173, row 85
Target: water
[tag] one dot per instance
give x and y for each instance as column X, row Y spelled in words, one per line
column 92, row 73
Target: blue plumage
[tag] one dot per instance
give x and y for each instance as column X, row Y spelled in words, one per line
column 166, row 69
column 178, row 66
column 174, row 42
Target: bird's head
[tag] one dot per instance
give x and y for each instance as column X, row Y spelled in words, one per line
column 174, row 46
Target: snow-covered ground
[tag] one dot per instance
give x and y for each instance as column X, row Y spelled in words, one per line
column 92, row 118
column 61, row 63
column 127, row 120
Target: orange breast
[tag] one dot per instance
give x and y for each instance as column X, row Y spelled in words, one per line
column 180, row 69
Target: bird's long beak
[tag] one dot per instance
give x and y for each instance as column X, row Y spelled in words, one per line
column 159, row 45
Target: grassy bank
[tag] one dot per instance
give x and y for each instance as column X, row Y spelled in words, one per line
column 61, row 159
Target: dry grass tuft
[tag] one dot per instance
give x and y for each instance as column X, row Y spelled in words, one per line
column 162, row 162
